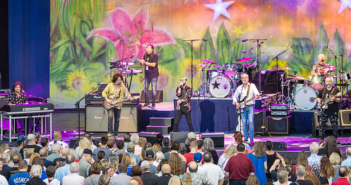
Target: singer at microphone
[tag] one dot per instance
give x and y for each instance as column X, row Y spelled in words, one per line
column 150, row 64
column 183, row 93
column 17, row 95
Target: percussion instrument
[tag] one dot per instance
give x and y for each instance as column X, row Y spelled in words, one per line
column 243, row 59
column 220, row 86
column 213, row 73
column 202, row 65
column 305, row 98
column 317, row 82
column 208, row 61
column 286, row 68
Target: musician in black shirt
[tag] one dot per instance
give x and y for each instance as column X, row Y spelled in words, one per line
column 17, row 95
column 150, row 63
column 330, row 110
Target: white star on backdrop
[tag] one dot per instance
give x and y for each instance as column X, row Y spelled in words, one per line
column 344, row 4
column 220, row 8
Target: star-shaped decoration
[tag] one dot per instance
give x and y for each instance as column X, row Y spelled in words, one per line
column 196, row 35
column 216, row 85
column 344, row 5
column 220, row 8
column 238, row 31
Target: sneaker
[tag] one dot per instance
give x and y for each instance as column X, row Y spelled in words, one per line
column 153, row 106
column 109, row 135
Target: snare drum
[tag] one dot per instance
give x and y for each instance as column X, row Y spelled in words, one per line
column 305, row 98
column 213, row 73
column 220, row 86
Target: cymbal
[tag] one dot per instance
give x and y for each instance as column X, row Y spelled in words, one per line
column 208, row 61
column 297, row 77
column 219, row 67
column 330, row 68
column 230, row 73
column 286, row 68
column 203, row 65
column 243, row 59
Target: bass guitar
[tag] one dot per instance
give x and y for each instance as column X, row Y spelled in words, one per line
column 108, row 106
column 244, row 102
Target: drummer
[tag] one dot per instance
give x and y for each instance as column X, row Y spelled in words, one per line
column 317, row 67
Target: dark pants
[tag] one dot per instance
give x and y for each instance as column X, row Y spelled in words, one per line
column 237, row 182
column 333, row 116
column 179, row 114
column 114, row 113
column 153, row 82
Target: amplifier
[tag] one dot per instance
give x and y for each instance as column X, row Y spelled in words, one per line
column 102, row 87
column 3, row 99
column 280, row 113
column 94, row 99
column 5, row 90
column 279, row 107
column 278, row 125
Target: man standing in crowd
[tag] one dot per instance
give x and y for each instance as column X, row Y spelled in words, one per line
column 300, row 173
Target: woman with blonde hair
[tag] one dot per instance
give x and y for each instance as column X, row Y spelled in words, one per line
column 259, row 160
column 4, row 147
column 104, row 165
column 335, row 162
column 327, row 170
column 31, row 160
column 223, row 160
column 127, row 159
column 174, row 181
column 83, row 143
column 302, row 160
column 112, row 169
column 176, row 165
column 157, row 147
column 186, row 179
column 252, row 180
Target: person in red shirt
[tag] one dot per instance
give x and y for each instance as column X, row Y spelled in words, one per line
column 239, row 167
column 190, row 156
column 343, row 172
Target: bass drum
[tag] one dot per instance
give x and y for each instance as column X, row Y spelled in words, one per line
column 220, row 86
column 213, row 73
column 305, row 98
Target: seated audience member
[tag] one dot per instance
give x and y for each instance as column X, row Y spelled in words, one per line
column 65, row 170
column 147, row 177
column 22, row 176
column 166, row 175
column 21, row 140
column 35, row 173
column 95, row 170
column 65, row 152
column 103, row 147
column 50, row 172
column 209, row 147
column 44, row 154
column 343, row 180
column 55, row 152
column 122, row 178
column 120, row 147
column 335, row 161
column 31, row 145
column 165, row 145
column 300, row 173
column 330, row 146
column 57, row 139
column 239, row 166
column 314, row 158
column 196, row 177
column 73, row 177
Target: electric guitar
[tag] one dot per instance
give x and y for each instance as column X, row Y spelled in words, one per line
column 244, row 102
column 325, row 101
column 108, row 106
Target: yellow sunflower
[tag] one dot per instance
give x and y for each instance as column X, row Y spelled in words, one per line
column 273, row 64
column 186, row 68
column 77, row 83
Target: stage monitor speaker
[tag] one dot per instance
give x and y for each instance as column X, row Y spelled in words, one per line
column 260, row 119
column 218, row 138
column 152, row 137
column 179, row 136
column 278, row 125
column 278, row 146
column 345, row 118
column 97, row 121
column 159, row 96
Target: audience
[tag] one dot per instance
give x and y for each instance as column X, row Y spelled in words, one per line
column 300, row 174
column 95, row 171
column 131, row 152
column 126, row 139
column 157, row 147
column 29, row 153
column 39, row 161
column 149, row 153
column 31, row 145
column 182, row 148
column 174, row 181
column 175, row 147
column 252, row 180
column 50, row 172
column 347, row 162
column 99, row 156
column 166, row 175
column 165, row 145
column 147, row 177
column 191, row 137
column 330, row 147
column 190, row 156
column 5, row 157
column 135, row 140
column 314, row 158
column 84, row 143
column 135, row 181
column 44, row 154
column 66, row 169
column 186, row 179
column 103, row 147
column 15, row 168
column 238, row 139
column 223, row 160
column 122, row 178
column 259, row 160
column 65, row 152
column 283, row 178
column 73, row 177
column 302, row 160
column 35, row 173
column 22, row 176
column 200, row 146
column 111, row 145
column 271, row 156
column 20, row 143
column 177, row 163
column 159, row 157
column 327, row 170
column 209, row 147
column 44, row 143
column 214, row 172
column 55, row 152
column 85, row 163
column 335, row 161
column 120, row 147
column 103, row 180
column 127, row 160
column 343, row 172
column 198, row 160
column 136, row 171
column 239, row 167
column 197, row 178
column 159, row 167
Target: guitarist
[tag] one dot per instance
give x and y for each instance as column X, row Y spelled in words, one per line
column 244, row 92
column 330, row 110
column 115, row 90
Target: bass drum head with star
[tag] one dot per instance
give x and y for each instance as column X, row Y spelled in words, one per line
column 220, row 86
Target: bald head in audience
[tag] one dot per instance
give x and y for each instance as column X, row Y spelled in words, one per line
column 166, row 168
column 65, row 152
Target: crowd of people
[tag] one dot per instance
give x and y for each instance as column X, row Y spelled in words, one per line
column 135, row 161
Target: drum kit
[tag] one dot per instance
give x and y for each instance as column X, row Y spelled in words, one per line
column 221, row 81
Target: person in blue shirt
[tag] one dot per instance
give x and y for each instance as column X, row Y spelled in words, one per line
column 22, row 176
column 130, row 150
column 259, row 160
column 64, row 170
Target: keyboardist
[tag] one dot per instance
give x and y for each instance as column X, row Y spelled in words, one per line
column 17, row 95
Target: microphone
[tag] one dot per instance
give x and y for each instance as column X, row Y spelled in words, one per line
column 203, row 39
column 131, row 56
column 244, row 40
column 243, row 51
column 18, row 90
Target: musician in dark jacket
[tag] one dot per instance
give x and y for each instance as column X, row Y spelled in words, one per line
column 183, row 93
column 329, row 110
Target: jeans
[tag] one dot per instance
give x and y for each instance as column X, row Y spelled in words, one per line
column 153, row 82
column 247, row 120
column 237, row 182
column 179, row 114
column 117, row 114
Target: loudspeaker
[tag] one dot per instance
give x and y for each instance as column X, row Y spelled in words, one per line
column 179, row 136
column 159, row 96
column 97, row 121
column 278, row 146
column 218, row 138
column 278, row 125
column 270, row 80
column 260, row 119
column 152, row 137
column 345, row 118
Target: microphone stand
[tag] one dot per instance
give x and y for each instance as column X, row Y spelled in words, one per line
column 192, row 58
column 336, row 57
column 78, row 108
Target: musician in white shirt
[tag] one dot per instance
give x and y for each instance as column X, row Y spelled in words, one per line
column 247, row 113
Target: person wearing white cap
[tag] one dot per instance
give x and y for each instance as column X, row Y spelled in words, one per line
column 147, row 177
column 31, row 145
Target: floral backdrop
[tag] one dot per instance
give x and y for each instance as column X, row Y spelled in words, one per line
column 85, row 34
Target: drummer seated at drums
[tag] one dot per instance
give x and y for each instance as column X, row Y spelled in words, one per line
column 318, row 67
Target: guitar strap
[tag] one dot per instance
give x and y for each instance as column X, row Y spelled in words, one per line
column 247, row 93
